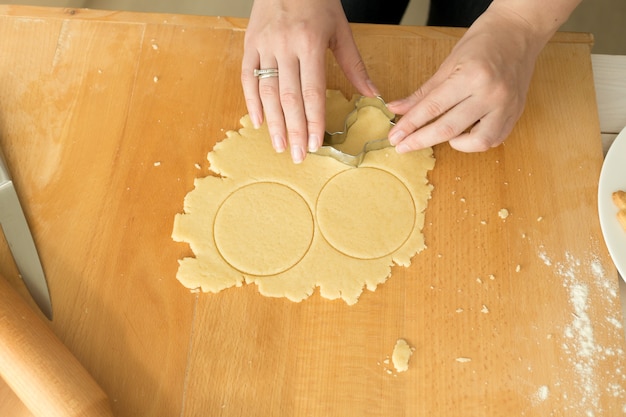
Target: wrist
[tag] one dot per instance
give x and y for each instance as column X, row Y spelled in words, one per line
column 295, row 5
column 537, row 20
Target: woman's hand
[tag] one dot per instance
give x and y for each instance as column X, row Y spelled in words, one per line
column 479, row 92
column 293, row 36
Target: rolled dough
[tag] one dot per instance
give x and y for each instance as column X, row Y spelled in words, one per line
column 290, row 229
column 381, row 218
column 259, row 247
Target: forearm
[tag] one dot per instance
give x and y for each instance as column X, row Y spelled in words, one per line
column 540, row 18
column 294, row 7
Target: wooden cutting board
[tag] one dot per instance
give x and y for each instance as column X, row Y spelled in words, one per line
column 103, row 118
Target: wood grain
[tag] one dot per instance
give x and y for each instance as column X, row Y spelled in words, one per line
column 10, row 404
column 43, row 373
column 103, row 117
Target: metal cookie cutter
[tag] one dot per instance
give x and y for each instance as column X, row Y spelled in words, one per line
column 335, row 138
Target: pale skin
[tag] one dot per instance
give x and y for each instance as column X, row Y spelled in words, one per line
column 472, row 102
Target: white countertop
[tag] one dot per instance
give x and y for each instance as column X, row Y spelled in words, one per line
column 609, row 73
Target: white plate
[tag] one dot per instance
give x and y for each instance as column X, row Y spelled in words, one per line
column 613, row 178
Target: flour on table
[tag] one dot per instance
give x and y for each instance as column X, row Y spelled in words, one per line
column 289, row 229
column 582, row 351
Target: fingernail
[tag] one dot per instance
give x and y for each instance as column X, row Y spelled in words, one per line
column 393, row 103
column 372, row 87
column 278, row 143
column 396, row 137
column 314, row 143
column 297, row 154
column 256, row 120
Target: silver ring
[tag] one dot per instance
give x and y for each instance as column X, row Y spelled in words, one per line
column 266, row 73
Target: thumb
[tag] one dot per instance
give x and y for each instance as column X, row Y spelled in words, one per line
column 349, row 59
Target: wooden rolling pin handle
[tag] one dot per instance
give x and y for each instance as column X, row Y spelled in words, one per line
column 40, row 369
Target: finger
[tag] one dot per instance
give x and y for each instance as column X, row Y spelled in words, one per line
column 269, row 93
column 489, row 132
column 250, row 85
column 426, row 110
column 349, row 59
column 313, row 80
column 447, row 127
column 293, row 108
column 403, row 105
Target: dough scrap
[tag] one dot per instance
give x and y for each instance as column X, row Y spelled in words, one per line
column 290, row 229
column 402, row 352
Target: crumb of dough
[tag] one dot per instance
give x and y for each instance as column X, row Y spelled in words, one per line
column 463, row 360
column 401, row 354
column 518, row 268
column 503, row 213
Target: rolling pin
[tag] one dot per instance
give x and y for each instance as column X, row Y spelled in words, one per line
column 41, row 370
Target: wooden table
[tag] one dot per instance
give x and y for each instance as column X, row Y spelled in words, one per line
column 103, row 118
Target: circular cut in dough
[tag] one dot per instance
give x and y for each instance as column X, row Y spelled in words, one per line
column 365, row 213
column 263, row 228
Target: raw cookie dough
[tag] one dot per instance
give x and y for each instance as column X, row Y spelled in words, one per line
column 382, row 217
column 259, row 248
column 371, row 124
column 401, row 354
column 290, row 228
column 337, row 107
